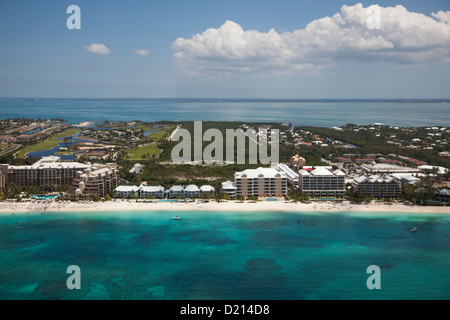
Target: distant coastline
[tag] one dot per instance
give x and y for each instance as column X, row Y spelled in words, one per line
column 310, row 112
column 397, row 100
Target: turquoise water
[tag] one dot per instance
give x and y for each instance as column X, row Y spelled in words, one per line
column 224, row 255
column 52, row 151
column 299, row 112
column 149, row 132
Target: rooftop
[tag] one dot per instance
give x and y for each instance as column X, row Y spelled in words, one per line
column 291, row 174
column 260, row 172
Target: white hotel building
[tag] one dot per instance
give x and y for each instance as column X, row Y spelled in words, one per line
column 322, row 182
column 261, row 182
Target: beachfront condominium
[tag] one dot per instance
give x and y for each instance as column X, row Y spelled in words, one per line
column 384, row 186
column 229, row 188
column 191, row 191
column 152, row 192
column 322, row 182
column 261, row 182
column 175, row 191
column 48, row 171
column 97, row 180
column 127, row 191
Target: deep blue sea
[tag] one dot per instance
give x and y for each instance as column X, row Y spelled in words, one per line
column 328, row 113
column 224, row 255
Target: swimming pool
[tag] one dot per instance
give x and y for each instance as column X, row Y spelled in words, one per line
column 44, row 197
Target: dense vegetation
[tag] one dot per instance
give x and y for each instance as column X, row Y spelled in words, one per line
column 368, row 142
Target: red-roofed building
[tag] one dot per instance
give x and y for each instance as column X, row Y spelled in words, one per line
column 9, row 139
column 343, row 160
column 389, row 161
column 417, row 162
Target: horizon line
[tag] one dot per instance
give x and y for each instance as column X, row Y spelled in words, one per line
column 221, row 98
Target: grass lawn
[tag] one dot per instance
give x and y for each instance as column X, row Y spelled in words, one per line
column 158, row 135
column 150, row 149
column 46, row 144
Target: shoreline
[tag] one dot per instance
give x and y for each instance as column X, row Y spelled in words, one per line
column 230, row 205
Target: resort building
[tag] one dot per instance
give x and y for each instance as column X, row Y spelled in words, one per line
column 49, row 171
column 3, row 176
column 322, row 182
column 126, row 191
column 377, row 186
column 176, row 191
column 151, row 192
column 406, row 178
column 443, row 195
column 262, row 182
column 439, row 170
column 207, row 188
column 191, row 191
column 292, row 176
column 229, row 189
column 381, row 168
column 297, row 162
column 96, row 180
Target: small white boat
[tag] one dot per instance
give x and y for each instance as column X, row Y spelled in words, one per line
column 414, row 229
column 176, row 218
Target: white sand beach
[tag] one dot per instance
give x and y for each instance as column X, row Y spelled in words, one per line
column 259, row 206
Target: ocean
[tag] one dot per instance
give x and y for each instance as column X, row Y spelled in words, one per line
column 224, row 255
column 327, row 113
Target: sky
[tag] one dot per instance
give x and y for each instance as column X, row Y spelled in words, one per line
column 226, row 49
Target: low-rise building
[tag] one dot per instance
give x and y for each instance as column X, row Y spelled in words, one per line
column 406, row 178
column 126, row 191
column 364, row 160
column 443, row 195
column 229, row 188
column 191, row 191
column 207, row 188
column 381, row 168
column 176, row 191
column 343, row 160
column 152, row 192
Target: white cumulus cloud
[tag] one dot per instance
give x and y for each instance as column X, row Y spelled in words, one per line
column 98, row 48
column 142, row 52
column 401, row 36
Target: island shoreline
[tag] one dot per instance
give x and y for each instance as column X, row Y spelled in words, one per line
column 233, row 206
